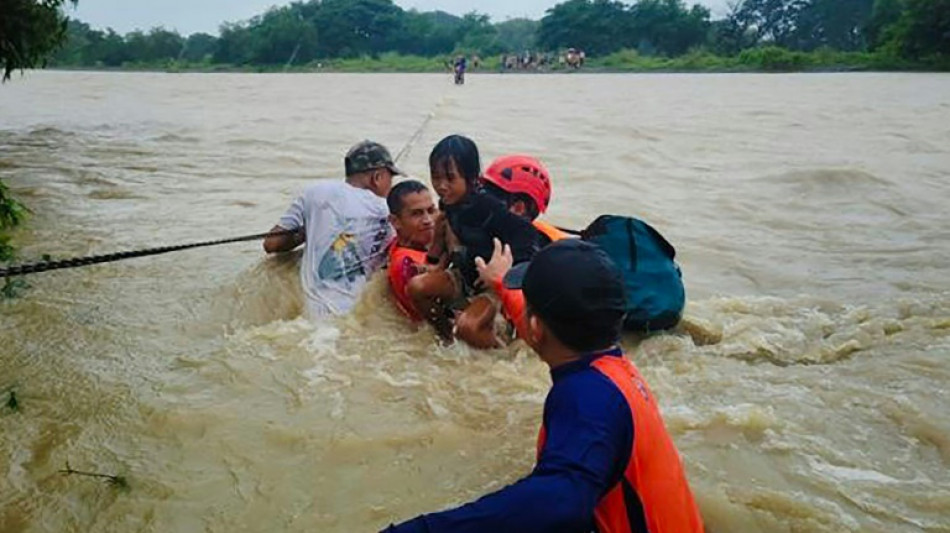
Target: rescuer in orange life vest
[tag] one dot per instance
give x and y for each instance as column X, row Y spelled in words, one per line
column 412, row 213
column 605, row 461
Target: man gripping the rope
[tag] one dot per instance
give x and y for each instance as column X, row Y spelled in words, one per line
column 344, row 228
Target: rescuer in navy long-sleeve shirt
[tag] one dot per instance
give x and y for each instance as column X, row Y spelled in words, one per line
column 595, row 470
column 589, row 437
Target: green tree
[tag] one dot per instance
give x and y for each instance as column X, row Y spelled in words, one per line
column 351, row 28
column 476, row 33
column 799, row 24
column 596, row 26
column 518, row 34
column 12, row 214
column 283, row 36
column 667, row 27
column 429, row 34
column 156, row 46
column 884, row 16
column 837, row 24
column 728, row 37
column 767, row 21
column 30, row 31
column 200, row 47
column 87, row 47
column 75, row 44
column 109, row 49
column 234, row 44
column 923, row 31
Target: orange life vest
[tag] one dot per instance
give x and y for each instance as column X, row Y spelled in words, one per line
column 402, row 261
column 653, row 495
column 552, row 233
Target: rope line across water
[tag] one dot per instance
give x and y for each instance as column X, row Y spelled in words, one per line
column 418, row 133
column 44, row 266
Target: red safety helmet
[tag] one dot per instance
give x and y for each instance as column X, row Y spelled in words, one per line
column 521, row 174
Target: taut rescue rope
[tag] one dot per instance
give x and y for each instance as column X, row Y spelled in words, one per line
column 43, row 266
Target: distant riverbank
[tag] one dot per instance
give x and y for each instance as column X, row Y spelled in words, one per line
column 768, row 59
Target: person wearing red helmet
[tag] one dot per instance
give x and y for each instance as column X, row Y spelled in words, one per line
column 523, row 183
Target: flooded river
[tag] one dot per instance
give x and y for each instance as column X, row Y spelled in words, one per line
column 810, row 392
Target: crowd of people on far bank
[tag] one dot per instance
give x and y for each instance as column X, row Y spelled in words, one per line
column 528, row 60
column 475, row 261
column 572, row 58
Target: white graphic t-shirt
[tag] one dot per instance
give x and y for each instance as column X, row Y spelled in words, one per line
column 347, row 235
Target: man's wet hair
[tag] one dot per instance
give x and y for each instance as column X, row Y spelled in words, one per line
column 463, row 152
column 589, row 333
column 396, row 198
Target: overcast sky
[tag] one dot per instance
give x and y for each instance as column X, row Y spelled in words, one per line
column 190, row 16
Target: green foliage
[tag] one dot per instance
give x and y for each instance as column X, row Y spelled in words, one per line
column 387, row 62
column 768, row 59
column 475, row 34
column 801, row 24
column 836, row 24
column 7, row 252
column 199, row 47
column 87, row 47
column 599, row 27
column 12, row 213
column 667, row 27
column 428, row 34
column 901, row 31
column 884, row 16
column 351, row 28
column 701, row 59
column 773, row 58
column 158, row 44
column 30, row 31
column 13, row 288
column 517, row 35
column 376, row 35
column 279, row 36
column 923, row 31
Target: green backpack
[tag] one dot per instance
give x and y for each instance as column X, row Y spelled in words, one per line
column 652, row 279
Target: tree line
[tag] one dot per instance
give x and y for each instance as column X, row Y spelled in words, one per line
column 305, row 32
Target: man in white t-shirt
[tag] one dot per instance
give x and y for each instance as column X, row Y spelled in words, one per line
column 345, row 228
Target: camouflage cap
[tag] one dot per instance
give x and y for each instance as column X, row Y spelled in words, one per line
column 368, row 155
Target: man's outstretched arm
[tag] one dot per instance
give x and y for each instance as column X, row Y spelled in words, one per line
column 284, row 240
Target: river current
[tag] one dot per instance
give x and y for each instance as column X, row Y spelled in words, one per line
column 809, row 389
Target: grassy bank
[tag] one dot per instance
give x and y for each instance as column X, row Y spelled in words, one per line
column 766, row 59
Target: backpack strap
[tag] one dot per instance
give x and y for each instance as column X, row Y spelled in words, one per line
column 571, row 231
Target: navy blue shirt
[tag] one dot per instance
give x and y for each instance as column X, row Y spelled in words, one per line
column 589, row 437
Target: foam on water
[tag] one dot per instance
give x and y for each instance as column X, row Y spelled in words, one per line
column 806, row 388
